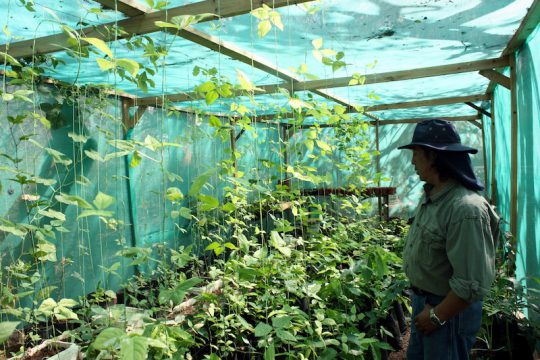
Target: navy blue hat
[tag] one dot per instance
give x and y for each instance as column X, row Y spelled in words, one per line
column 439, row 135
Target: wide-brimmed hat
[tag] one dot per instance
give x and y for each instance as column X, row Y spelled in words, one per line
column 438, row 135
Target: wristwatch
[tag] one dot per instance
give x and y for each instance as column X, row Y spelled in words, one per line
column 434, row 318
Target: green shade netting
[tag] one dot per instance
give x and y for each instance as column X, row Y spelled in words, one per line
column 86, row 245
column 528, row 233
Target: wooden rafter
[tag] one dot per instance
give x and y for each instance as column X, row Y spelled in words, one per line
column 431, row 102
column 529, row 23
column 467, row 118
column 127, row 7
column 141, row 24
column 407, row 74
column 293, row 83
column 478, row 108
column 496, row 77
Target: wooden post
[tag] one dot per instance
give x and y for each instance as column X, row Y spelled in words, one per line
column 484, row 148
column 378, row 162
column 233, row 149
column 493, row 154
column 285, row 138
column 126, row 119
column 514, row 150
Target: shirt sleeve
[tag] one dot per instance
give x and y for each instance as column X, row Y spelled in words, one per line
column 471, row 253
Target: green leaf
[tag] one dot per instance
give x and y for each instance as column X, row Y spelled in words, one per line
column 185, row 213
column 134, row 348
column 53, row 214
column 129, row 65
column 324, row 146
column 285, row 336
column 317, row 43
column 136, row 159
column 282, row 322
column 178, row 294
column 199, row 182
column 87, row 213
column 214, row 121
column 13, row 230
column 211, row 97
column 73, row 200
column 103, row 201
column 7, row 97
column 208, row 202
column 270, row 352
column 6, row 329
column 108, row 338
column 206, row 87
column 174, row 194
column 262, row 329
column 264, row 27
column 77, row 137
column 100, row 44
column 67, row 303
column 9, row 59
column 105, row 65
column 245, row 82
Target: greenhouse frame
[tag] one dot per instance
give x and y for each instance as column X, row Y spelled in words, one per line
column 184, row 179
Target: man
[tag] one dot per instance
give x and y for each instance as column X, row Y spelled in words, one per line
column 449, row 254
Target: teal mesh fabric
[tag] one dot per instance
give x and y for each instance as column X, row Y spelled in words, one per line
column 87, row 245
column 528, row 81
column 502, row 152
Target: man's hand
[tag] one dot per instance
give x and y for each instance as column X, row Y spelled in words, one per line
column 423, row 322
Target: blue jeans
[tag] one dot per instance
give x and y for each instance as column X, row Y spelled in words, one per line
column 453, row 341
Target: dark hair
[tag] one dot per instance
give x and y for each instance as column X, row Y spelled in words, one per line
column 456, row 166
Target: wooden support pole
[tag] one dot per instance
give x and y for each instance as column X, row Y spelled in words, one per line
column 285, row 140
column 479, row 109
column 233, row 149
column 493, row 153
column 126, row 119
column 514, row 149
column 484, row 150
column 496, row 77
column 378, row 163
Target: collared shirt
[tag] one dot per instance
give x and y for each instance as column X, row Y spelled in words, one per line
column 451, row 244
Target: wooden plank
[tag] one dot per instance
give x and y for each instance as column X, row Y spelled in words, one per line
column 496, row 77
column 529, row 23
column 138, row 114
column 126, row 119
column 484, row 150
column 141, row 24
column 493, row 154
column 431, row 102
column 408, row 74
column 514, row 150
column 127, row 7
column 478, row 108
column 401, row 121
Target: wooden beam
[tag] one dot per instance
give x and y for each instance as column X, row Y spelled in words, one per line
column 493, row 153
column 496, row 77
column 400, row 121
column 478, row 108
column 126, row 119
column 514, row 151
column 529, row 23
column 127, row 7
column 432, row 102
column 476, row 123
column 407, row 74
column 484, row 150
column 141, row 24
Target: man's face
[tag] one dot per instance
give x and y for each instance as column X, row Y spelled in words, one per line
column 423, row 163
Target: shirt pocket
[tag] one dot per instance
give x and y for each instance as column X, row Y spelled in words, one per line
column 432, row 249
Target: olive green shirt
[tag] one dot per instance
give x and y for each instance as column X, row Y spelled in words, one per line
column 451, row 244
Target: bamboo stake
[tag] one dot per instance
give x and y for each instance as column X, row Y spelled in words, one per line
column 493, row 153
